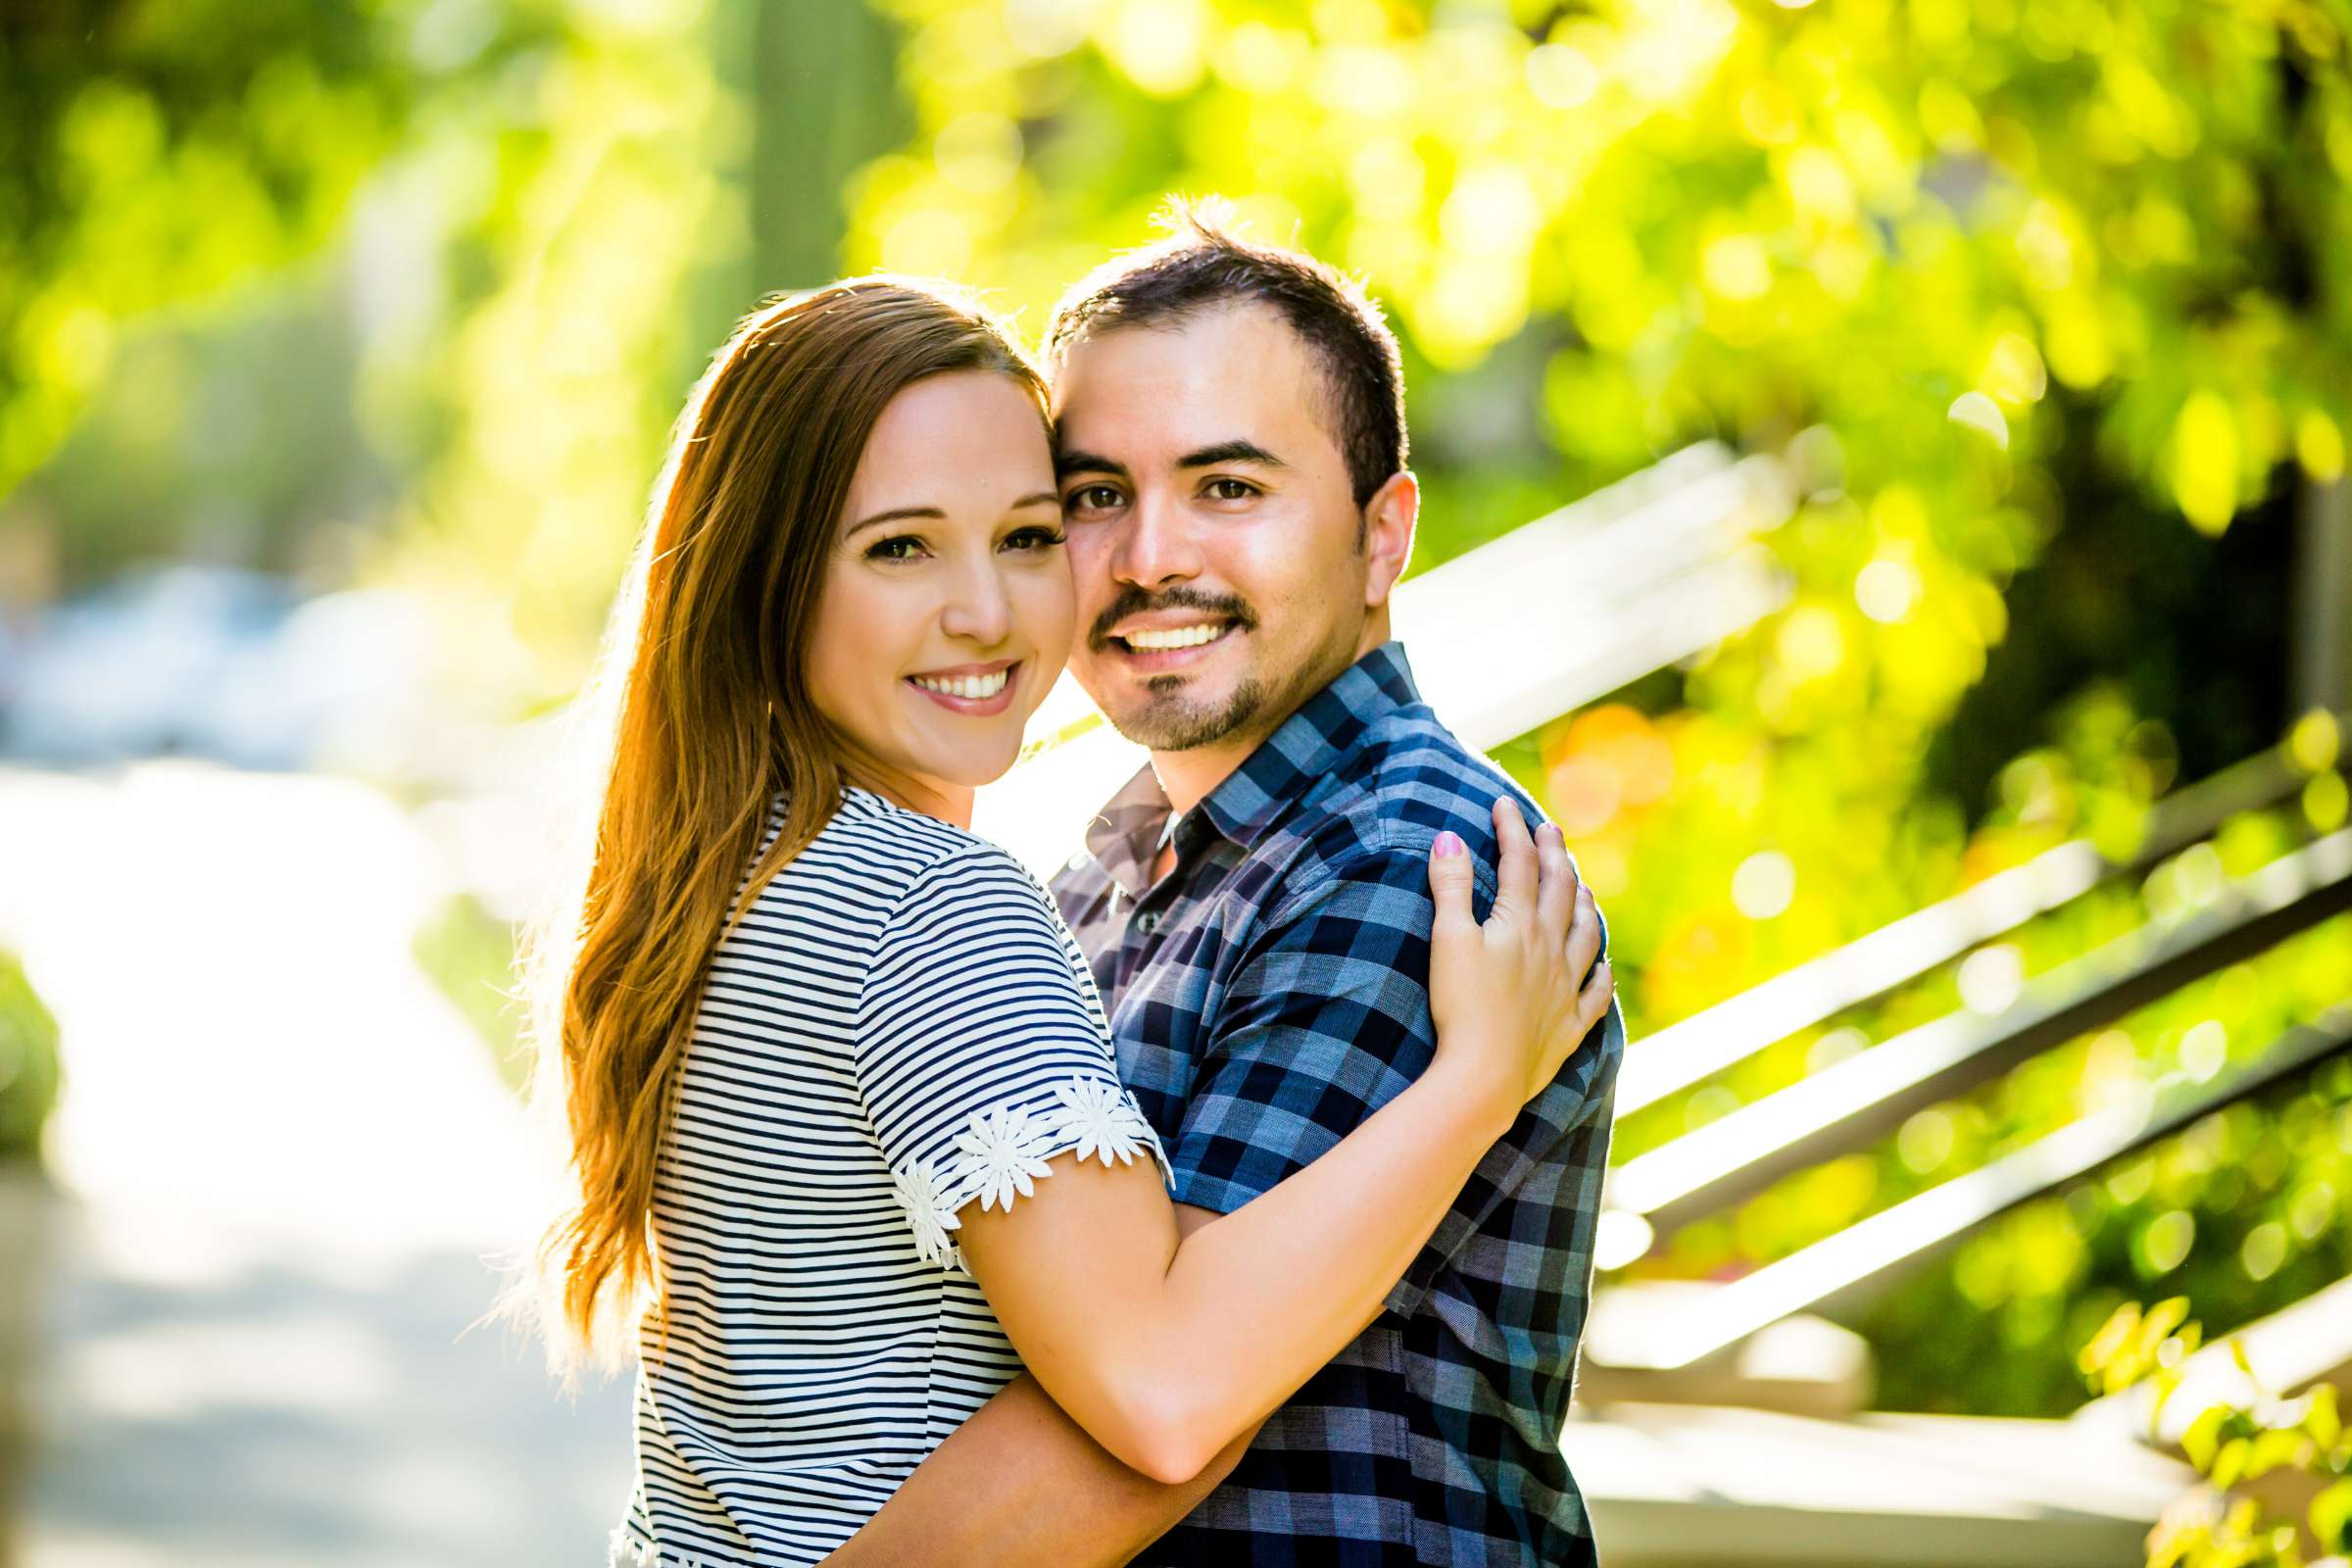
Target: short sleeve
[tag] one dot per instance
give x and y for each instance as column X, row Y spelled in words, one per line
column 981, row 1050
column 1327, row 1020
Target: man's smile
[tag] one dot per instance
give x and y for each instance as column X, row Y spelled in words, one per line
column 1167, row 641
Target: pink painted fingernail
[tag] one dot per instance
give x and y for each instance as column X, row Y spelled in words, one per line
column 1449, row 843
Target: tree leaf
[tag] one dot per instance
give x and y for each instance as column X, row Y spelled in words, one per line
column 2331, row 1516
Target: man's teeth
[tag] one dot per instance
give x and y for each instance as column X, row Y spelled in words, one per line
column 1177, row 637
column 979, row 688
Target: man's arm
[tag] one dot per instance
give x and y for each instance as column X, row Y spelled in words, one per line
column 1021, row 1484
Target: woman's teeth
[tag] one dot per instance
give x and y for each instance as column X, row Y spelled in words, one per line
column 1177, row 637
column 979, row 688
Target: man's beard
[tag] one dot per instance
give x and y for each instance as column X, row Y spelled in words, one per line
column 1166, row 720
column 1170, row 722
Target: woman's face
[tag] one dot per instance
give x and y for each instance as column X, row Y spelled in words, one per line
column 946, row 609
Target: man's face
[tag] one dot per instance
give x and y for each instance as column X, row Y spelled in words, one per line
column 1221, row 572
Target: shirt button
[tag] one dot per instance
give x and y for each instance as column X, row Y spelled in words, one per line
column 1078, row 862
column 1147, row 923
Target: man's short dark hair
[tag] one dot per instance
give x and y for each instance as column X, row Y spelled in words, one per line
column 1199, row 266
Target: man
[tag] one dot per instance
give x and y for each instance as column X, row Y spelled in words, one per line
column 1231, row 447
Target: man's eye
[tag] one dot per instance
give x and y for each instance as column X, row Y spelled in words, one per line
column 1035, row 539
column 898, row 547
column 1093, row 497
column 1231, row 490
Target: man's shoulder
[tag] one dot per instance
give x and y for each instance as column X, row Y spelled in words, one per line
column 1408, row 779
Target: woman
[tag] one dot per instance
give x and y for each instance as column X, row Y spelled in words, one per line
column 849, row 1138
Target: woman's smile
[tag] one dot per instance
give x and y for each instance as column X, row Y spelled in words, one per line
column 981, row 691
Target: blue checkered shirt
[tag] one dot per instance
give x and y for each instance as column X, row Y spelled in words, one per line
column 1266, row 997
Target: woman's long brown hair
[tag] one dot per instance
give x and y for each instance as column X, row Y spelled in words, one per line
column 710, row 725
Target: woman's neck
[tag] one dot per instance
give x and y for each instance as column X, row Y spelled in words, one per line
column 950, row 803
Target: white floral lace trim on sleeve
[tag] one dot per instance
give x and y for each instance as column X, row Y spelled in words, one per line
column 1000, row 1154
column 622, row 1550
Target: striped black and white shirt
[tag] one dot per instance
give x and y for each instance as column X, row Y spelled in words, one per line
column 901, row 1025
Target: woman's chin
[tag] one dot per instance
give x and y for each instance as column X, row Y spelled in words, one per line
column 976, row 768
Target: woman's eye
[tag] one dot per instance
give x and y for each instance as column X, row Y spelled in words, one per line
column 898, row 547
column 1034, row 538
column 1231, row 490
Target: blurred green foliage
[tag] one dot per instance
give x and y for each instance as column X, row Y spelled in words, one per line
column 160, row 155
column 2242, row 1211
column 2231, row 1446
column 29, row 1063
column 507, row 194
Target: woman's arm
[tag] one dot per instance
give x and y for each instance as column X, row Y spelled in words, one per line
column 1165, row 1347
column 1021, row 1484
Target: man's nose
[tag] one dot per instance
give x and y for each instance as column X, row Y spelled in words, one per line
column 1154, row 546
column 978, row 610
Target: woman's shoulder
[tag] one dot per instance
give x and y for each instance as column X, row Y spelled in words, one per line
column 913, row 855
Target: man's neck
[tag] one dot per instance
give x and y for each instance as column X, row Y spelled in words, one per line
column 1187, row 778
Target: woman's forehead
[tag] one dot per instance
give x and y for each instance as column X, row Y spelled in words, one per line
column 955, row 442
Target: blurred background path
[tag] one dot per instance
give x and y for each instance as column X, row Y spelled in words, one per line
column 282, row 1160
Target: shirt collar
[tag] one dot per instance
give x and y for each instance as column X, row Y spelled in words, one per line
column 1309, row 744
column 1134, row 823
column 1127, row 833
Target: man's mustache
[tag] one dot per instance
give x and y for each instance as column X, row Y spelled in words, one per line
column 1137, row 602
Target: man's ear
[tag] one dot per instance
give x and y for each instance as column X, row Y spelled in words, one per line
column 1389, row 518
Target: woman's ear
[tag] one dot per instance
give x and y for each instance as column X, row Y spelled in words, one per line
column 1388, row 532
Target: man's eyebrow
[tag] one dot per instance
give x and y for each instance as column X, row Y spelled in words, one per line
column 1069, row 461
column 1230, row 452
column 1040, row 498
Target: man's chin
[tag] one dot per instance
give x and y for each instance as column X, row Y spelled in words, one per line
column 1172, row 718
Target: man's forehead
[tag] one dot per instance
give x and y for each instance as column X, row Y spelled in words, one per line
column 1174, row 384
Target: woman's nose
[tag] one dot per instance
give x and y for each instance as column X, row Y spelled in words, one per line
column 978, row 609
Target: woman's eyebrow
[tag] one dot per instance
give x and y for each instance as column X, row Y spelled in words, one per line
column 1041, row 498
column 894, row 515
